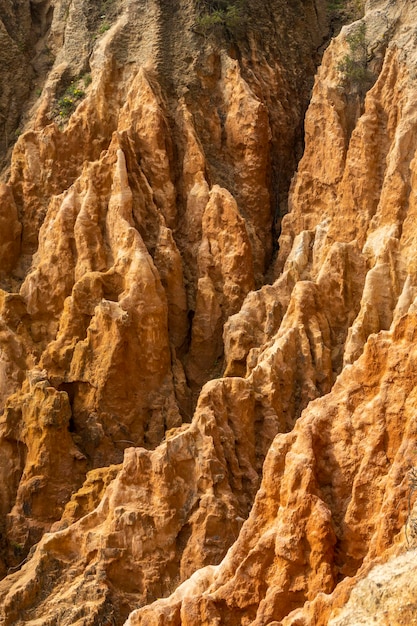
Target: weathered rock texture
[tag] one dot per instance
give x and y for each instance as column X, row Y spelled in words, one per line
column 185, row 443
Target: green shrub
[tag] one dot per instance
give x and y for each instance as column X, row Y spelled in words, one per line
column 67, row 103
column 210, row 20
column 218, row 15
column 104, row 27
column 353, row 67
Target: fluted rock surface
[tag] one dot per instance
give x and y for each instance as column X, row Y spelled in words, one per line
column 151, row 162
column 185, row 443
column 334, row 492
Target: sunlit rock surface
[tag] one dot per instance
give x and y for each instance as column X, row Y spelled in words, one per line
column 207, row 374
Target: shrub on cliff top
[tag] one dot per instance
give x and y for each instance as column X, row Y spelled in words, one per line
column 220, row 15
column 353, row 67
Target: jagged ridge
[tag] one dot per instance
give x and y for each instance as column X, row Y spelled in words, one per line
column 156, row 257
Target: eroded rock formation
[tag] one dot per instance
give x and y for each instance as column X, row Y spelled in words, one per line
column 203, row 424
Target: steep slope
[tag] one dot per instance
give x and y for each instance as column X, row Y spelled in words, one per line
column 334, row 492
column 151, row 167
column 139, row 214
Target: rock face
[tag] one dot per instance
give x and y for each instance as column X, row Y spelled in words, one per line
column 202, row 423
column 385, row 596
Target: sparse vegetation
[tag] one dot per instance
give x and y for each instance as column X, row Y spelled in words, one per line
column 72, row 95
column 346, row 10
column 221, row 16
column 17, row 548
column 106, row 12
column 104, row 27
column 353, row 67
column 87, row 79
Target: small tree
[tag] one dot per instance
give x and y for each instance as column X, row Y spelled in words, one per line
column 220, row 15
column 353, row 67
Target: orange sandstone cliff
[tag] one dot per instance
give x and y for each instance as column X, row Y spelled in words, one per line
column 208, row 364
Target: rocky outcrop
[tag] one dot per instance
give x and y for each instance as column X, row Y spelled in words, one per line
column 186, row 443
column 137, row 214
column 333, row 497
column 326, row 518
column 385, row 596
column 171, row 510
